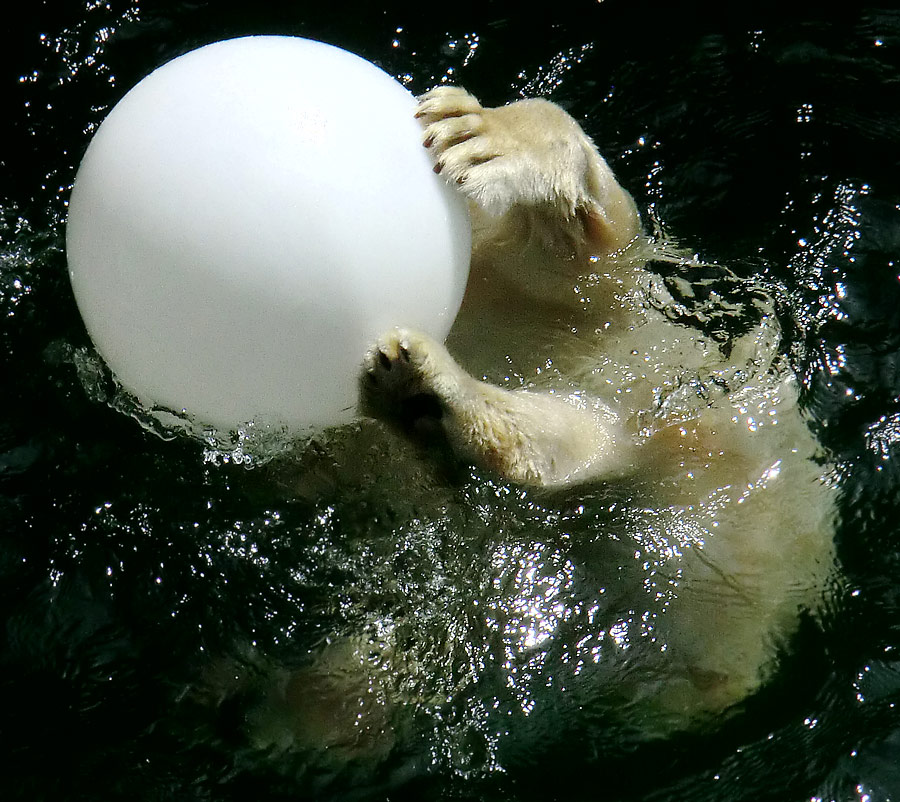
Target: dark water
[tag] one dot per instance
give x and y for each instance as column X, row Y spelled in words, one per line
column 766, row 137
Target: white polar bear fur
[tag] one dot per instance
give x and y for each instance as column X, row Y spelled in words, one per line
column 557, row 269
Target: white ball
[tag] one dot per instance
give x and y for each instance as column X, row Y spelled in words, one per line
column 248, row 219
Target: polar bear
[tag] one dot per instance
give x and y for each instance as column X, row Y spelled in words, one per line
column 617, row 390
column 568, row 371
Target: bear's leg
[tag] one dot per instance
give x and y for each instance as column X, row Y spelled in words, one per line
column 537, row 438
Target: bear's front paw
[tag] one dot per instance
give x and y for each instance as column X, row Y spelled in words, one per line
column 455, row 132
column 445, row 103
column 466, row 148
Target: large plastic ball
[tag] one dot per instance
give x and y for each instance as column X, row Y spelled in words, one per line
column 248, row 219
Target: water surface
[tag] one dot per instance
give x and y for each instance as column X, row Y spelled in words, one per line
column 135, row 568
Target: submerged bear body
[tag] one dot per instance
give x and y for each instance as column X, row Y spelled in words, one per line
column 610, row 389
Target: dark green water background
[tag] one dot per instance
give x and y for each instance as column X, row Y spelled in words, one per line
column 770, row 140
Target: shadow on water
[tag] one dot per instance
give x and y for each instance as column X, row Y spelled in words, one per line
column 766, row 138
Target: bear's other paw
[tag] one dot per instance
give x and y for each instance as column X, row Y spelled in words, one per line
column 388, row 367
column 534, row 438
column 408, row 375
